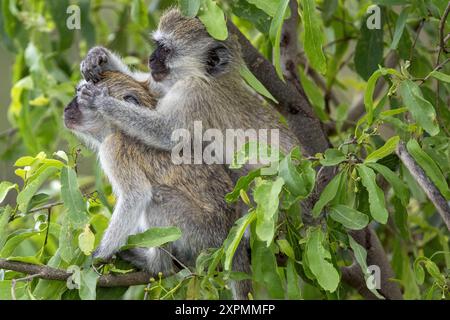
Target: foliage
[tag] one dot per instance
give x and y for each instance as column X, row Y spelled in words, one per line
column 63, row 201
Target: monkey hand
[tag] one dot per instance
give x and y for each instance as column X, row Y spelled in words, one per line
column 101, row 255
column 88, row 93
column 96, row 62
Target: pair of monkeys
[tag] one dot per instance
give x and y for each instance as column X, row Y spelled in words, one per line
column 128, row 119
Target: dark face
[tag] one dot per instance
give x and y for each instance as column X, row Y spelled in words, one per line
column 158, row 62
column 72, row 114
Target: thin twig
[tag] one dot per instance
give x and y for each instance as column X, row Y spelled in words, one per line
column 24, row 279
column 419, row 29
column 442, row 27
column 49, row 273
column 425, row 183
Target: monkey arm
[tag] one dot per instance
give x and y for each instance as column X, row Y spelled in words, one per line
column 123, row 224
column 100, row 59
column 152, row 127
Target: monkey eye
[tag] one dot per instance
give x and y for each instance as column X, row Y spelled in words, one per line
column 131, row 99
column 165, row 50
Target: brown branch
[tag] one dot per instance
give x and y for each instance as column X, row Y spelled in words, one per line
column 49, row 273
column 442, row 28
column 295, row 107
column 425, row 183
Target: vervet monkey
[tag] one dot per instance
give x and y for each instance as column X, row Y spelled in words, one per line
column 151, row 191
column 197, row 78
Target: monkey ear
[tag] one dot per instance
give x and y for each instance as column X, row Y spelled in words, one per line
column 217, row 60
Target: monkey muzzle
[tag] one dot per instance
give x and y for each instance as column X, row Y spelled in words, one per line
column 159, row 70
column 72, row 114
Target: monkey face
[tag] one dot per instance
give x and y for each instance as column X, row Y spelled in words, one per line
column 88, row 123
column 185, row 49
column 158, row 62
column 85, row 121
column 72, row 114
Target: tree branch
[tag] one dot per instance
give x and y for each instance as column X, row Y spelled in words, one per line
column 294, row 106
column 313, row 139
column 425, row 183
column 49, row 273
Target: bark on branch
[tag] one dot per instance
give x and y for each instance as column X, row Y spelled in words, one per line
column 49, row 273
column 294, row 106
column 425, row 183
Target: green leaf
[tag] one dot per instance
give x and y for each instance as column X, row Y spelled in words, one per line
column 400, row 188
column 5, row 187
column 332, row 157
column 58, row 10
column 88, row 284
column 189, row 8
column 369, row 49
column 29, row 259
column 30, row 189
column 268, row 6
column 5, row 214
column 213, row 18
column 313, row 36
column 318, row 261
column 86, row 241
column 314, row 94
column 275, row 34
column 5, row 290
column 433, row 270
column 349, row 217
column 368, row 95
column 88, row 29
column 292, row 281
column 384, row 151
column 421, row 110
column 419, row 273
column 253, row 82
column 376, row 195
column 286, row 248
column 266, row 195
column 67, row 247
column 429, row 166
column 139, row 13
column 250, row 12
column 72, row 198
column 243, row 183
column 292, row 177
column 265, row 273
column 440, row 76
column 14, row 241
column 328, row 194
column 234, row 238
column 153, row 237
column 399, row 27
column 361, row 258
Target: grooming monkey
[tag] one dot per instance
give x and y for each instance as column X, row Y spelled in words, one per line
column 197, row 78
column 151, row 191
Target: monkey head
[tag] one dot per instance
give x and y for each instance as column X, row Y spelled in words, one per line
column 83, row 118
column 185, row 49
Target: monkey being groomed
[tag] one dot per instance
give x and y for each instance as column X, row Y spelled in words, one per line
column 197, row 78
column 151, row 191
